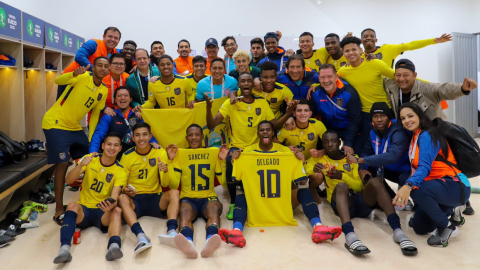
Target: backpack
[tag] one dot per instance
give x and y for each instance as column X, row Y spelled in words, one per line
column 12, row 151
column 463, row 146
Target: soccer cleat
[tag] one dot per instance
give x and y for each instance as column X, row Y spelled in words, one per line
column 233, row 237
column 230, row 211
column 468, row 209
column 322, row 233
column 212, row 244
column 37, row 206
column 167, row 239
column 440, row 239
column 457, row 218
column 142, row 244
column 186, row 246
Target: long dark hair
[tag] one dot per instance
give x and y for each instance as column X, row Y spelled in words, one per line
column 436, row 133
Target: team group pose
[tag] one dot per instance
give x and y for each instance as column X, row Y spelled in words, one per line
column 346, row 116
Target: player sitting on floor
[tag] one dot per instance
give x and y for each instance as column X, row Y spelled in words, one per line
column 350, row 197
column 265, row 134
column 101, row 186
column 195, row 168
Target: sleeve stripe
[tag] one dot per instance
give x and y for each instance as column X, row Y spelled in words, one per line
column 177, row 170
column 300, row 179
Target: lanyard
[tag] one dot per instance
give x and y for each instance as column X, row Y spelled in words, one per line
column 413, row 150
column 228, row 66
column 384, row 147
column 125, row 118
column 213, row 92
column 140, row 81
column 281, row 63
column 112, row 86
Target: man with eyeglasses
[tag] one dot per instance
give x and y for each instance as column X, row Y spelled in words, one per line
column 211, row 47
column 230, row 46
column 116, row 77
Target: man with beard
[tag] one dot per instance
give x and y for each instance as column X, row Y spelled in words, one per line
column 184, row 61
column 156, row 51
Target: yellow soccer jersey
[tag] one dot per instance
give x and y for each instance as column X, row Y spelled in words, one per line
column 276, row 98
column 196, row 169
column 99, row 181
column 315, row 60
column 80, row 96
column 267, row 180
column 142, row 170
column 389, row 52
column 172, row 95
column 304, row 139
column 325, row 57
column 367, row 80
column 244, row 119
column 193, row 85
column 276, row 148
column 349, row 174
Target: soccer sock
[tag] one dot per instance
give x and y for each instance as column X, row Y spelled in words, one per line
column 350, row 238
column 394, row 221
column 211, row 230
column 136, row 229
column 172, row 226
column 232, row 190
column 240, row 212
column 187, row 232
column 399, row 235
column 347, row 228
column 114, row 240
column 310, row 208
column 68, row 228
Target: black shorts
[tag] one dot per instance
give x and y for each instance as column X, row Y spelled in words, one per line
column 148, row 205
column 92, row 217
column 200, row 204
column 358, row 208
column 61, row 144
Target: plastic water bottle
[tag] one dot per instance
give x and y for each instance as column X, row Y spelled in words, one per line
column 33, row 215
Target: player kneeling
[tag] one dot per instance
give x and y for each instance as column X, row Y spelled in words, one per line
column 195, row 168
column 101, row 186
column 273, row 205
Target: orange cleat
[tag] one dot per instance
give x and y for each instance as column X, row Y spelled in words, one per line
column 322, row 233
column 233, row 237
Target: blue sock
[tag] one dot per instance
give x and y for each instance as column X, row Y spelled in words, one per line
column 172, row 225
column 347, row 227
column 114, row 239
column 310, row 208
column 136, row 229
column 68, row 228
column 394, row 221
column 187, row 232
column 211, row 230
column 240, row 212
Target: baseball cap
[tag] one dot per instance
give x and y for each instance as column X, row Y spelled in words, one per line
column 405, row 63
column 211, row 41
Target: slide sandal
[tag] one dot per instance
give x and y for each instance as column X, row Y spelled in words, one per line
column 356, row 248
column 408, row 248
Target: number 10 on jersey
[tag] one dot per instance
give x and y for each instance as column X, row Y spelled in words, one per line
column 266, row 180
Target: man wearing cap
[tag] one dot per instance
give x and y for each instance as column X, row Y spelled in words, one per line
column 386, row 152
column 211, row 47
column 406, row 88
column 275, row 53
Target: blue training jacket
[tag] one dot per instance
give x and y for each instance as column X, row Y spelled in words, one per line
column 299, row 91
column 114, row 124
column 276, row 58
column 395, row 156
column 339, row 112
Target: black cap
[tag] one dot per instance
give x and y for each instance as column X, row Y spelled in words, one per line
column 269, row 35
column 405, row 63
column 211, row 41
column 381, row 107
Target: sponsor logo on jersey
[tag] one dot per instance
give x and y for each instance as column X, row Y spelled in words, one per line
column 177, row 91
column 109, row 177
column 152, row 162
column 311, row 136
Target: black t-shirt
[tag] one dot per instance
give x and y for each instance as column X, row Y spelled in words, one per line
column 144, row 81
column 404, row 98
column 128, row 67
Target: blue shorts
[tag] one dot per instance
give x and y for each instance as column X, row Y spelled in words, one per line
column 148, row 205
column 358, row 208
column 200, row 204
column 61, row 144
column 92, row 217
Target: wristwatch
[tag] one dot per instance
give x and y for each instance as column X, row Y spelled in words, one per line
column 410, row 185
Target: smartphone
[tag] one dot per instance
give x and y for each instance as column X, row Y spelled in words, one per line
column 109, row 199
column 130, row 186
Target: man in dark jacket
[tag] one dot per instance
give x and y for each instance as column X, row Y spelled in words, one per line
column 386, row 152
column 120, row 123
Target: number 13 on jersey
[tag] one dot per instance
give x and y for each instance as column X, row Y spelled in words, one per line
column 270, row 179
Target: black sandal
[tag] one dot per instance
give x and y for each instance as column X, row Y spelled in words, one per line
column 354, row 248
column 408, row 248
column 59, row 219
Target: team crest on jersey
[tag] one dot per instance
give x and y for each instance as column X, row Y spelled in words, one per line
column 318, row 63
column 343, row 64
column 379, row 56
column 109, row 177
column 258, row 111
column 347, row 167
column 99, row 96
column 340, row 102
column 152, row 162
column 273, row 100
column 62, row 155
column 177, row 91
column 311, row 136
column 132, row 121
